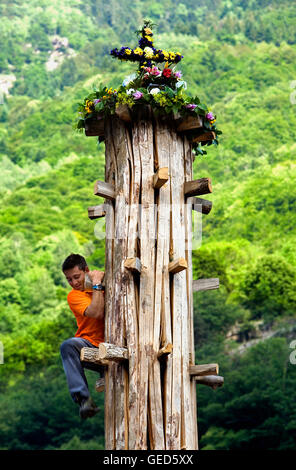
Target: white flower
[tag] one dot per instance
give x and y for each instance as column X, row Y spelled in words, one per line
column 181, row 83
column 130, row 91
column 148, row 52
column 129, row 79
column 154, row 91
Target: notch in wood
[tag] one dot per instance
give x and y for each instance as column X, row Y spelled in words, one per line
column 133, row 264
column 160, row 177
column 165, row 350
column 95, row 212
column 205, row 284
column 177, row 265
column 104, row 189
column 198, row 187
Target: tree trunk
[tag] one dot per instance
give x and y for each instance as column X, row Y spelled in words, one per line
column 150, row 401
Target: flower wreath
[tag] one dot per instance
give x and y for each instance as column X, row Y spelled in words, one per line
column 162, row 87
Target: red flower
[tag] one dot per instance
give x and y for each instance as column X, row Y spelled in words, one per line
column 167, row 73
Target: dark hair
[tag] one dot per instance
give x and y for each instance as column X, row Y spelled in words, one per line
column 74, row 260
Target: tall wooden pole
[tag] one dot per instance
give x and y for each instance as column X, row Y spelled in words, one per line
column 150, row 398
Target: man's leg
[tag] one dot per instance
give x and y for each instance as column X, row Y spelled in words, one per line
column 73, row 367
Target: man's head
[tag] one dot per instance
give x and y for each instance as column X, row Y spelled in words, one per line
column 74, row 268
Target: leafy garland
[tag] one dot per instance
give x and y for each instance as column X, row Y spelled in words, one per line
column 162, row 87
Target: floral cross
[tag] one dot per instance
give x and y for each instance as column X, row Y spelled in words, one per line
column 145, row 53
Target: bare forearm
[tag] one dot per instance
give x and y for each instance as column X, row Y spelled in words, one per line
column 97, row 307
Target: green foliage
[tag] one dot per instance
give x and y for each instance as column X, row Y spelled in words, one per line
column 256, row 410
column 38, row 413
column 213, row 316
column 270, row 288
column 239, row 56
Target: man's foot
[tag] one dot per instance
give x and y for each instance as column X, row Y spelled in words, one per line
column 88, row 408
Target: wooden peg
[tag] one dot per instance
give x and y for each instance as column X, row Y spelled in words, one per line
column 198, row 187
column 201, row 205
column 104, row 189
column 123, row 112
column 134, row 264
column 204, row 369
column 205, row 284
column 95, row 212
column 212, row 381
column 177, row 265
column 160, row 177
column 189, row 122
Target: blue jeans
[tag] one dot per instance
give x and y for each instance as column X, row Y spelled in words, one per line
column 74, row 367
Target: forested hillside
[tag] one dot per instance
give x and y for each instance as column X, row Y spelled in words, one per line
column 240, row 58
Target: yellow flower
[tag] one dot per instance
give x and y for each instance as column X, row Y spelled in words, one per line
column 166, row 55
column 128, row 51
column 88, row 105
column 110, row 91
column 147, row 31
column 138, row 51
column 172, row 55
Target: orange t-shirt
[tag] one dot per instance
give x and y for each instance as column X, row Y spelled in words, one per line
column 89, row 328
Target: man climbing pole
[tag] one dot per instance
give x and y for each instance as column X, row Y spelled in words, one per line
column 88, row 308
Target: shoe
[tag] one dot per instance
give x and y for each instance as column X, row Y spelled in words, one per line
column 88, row 408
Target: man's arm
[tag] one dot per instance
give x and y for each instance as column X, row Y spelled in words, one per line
column 96, row 308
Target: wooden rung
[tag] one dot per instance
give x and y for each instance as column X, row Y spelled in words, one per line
column 213, row 381
column 198, row 187
column 123, row 112
column 92, row 355
column 134, row 264
column 204, row 369
column 100, row 385
column 205, row 284
column 201, row 205
column 190, row 122
column 94, row 126
column 95, row 212
column 167, row 349
column 177, row 265
column 204, row 137
column 104, row 189
column 160, row 177
column 112, row 352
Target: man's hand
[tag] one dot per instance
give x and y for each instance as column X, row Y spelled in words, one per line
column 96, row 276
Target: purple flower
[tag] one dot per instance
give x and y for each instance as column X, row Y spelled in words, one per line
column 191, row 106
column 178, row 74
column 137, row 95
column 210, row 116
column 97, row 101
